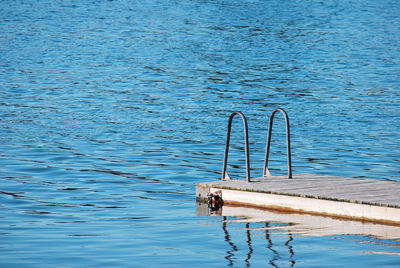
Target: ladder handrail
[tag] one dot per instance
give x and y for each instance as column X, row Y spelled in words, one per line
column 289, row 160
column 246, row 142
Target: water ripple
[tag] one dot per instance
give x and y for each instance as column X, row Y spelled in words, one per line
column 111, row 111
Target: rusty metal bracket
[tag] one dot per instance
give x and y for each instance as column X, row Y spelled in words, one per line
column 215, row 201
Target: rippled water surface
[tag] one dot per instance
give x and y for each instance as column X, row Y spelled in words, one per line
column 111, row 111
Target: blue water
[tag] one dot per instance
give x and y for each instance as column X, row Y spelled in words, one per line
column 111, row 111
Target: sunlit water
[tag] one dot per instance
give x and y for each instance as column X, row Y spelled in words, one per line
column 111, row 111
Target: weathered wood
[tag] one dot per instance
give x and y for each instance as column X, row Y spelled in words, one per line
column 377, row 200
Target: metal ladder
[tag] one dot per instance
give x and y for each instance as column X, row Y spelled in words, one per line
column 288, row 151
column 266, row 172
column 246, row 143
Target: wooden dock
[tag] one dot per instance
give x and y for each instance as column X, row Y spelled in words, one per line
column 359, row 199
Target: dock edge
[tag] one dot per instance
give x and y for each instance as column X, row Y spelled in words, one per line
column 301, row 204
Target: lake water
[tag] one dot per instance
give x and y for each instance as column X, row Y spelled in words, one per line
column 111, row 111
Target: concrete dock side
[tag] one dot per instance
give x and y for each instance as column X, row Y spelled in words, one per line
column 360, row 199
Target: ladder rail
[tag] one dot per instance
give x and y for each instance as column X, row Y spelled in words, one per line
column 246, row 142
column 288, row 151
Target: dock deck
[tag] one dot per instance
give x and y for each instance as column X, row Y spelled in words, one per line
column 361, row 199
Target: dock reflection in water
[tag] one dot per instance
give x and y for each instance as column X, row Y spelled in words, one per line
column 256, row 222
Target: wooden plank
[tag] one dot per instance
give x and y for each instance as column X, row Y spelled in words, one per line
column 322, row 186
column 314, row 206
column 369, row 194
